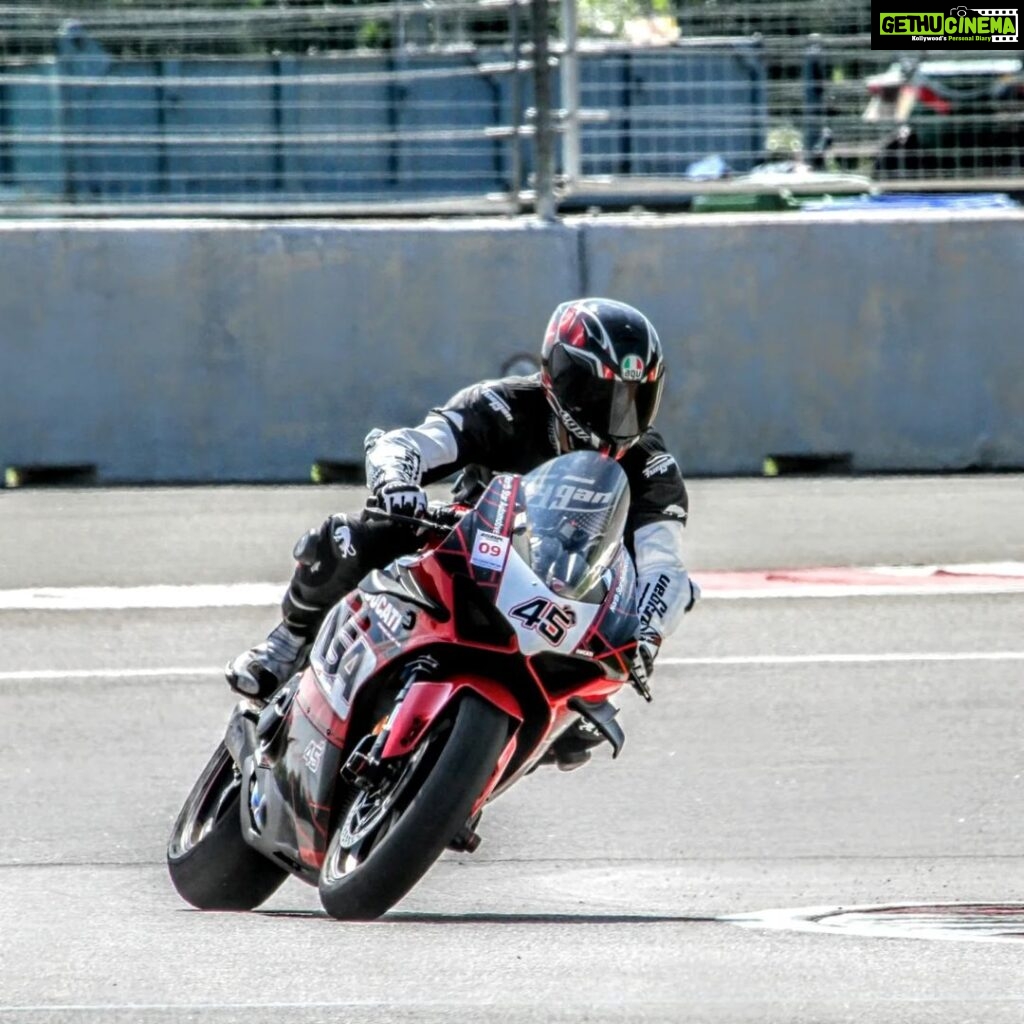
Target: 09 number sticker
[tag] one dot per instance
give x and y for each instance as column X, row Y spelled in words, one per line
column 489, row 550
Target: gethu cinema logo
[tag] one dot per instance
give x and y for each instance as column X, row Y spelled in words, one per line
column 961, row 21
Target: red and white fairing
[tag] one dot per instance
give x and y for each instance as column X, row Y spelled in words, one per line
column 548, row 548
column 542, row 619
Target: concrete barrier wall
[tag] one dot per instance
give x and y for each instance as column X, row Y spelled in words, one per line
column 207, row 352
column 896, row 340
column 221, row 351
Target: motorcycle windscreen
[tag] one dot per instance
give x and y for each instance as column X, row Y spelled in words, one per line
column 573, row 521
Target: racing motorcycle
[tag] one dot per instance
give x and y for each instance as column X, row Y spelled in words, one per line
column 430, row 690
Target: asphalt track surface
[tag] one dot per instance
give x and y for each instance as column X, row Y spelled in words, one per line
column 596, row 896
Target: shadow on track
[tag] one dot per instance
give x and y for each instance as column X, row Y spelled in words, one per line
column 497, row 918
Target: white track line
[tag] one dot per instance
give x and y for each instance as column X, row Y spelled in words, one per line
column 201, row 1008
column 790, row 591
column 199, row 671
column 266, row 595
column 111, row 674
column 848, row 659
column 217, row 595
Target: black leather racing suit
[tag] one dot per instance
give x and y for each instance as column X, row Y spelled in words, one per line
column 492, row 427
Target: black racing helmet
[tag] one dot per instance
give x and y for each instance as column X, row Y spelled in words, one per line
column 603, row 369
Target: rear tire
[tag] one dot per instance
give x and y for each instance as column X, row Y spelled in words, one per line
column 422, row 825
column 210, row 864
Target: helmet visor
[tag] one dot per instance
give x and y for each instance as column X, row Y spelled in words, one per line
column 614, row 410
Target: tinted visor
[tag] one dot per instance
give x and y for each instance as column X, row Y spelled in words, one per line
column 615, row 410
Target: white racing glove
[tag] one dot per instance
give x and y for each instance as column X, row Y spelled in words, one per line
column 393, row 473
column 643, row 663
column 665, row 593
column 402, row 499
column 649, row 644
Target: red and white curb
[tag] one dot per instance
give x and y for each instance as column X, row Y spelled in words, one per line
column 869, row 581
column 778, row 584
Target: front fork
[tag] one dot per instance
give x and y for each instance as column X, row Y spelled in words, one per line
column 419, row 704
column 363, row 767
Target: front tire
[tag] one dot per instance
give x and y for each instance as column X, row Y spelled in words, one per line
column 361, row 881
column 210, row 864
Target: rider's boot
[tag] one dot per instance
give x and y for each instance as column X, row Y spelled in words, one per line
column 315, row 586
column 329, row 562
column 259, row 672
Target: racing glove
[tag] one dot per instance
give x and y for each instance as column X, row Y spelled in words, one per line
column 647, row 647
column 393, row 474
column 402, row 499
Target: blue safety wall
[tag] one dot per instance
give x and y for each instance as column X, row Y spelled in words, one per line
column 671, row 108
column 264, row 138
column 226, row 351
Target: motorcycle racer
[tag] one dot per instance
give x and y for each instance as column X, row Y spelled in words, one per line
column 600, row 383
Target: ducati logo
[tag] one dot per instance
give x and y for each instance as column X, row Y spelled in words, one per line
column 388, row 615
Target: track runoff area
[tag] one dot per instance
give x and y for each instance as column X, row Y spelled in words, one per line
column 821, row 817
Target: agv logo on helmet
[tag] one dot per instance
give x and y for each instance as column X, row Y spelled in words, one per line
column 632, row 368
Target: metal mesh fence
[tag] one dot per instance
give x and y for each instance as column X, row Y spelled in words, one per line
column 434, row 105
column 233, row 28
column 195, row 104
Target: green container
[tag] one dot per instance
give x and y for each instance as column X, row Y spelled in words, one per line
column 744, row 202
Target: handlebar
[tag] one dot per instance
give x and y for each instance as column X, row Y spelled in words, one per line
column 436, row 518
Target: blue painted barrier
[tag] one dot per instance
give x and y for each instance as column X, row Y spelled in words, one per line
column 301, row 128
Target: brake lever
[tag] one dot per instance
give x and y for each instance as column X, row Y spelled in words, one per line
column 642, row 688
column 430, row 521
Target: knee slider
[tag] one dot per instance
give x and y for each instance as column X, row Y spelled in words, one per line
column 307, row 548
column 327, row 543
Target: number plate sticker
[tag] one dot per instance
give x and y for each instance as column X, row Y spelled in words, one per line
column 489, row 550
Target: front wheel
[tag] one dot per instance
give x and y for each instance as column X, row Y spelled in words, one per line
column 210, row 864
column 390, row 836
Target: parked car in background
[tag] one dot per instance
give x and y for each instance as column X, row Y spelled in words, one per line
column 954, row 118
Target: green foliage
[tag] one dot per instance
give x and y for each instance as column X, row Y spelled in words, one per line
column 372, row 35
column 609, row 17
column 605, row 17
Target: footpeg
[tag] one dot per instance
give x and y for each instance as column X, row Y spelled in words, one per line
column 466, row 839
